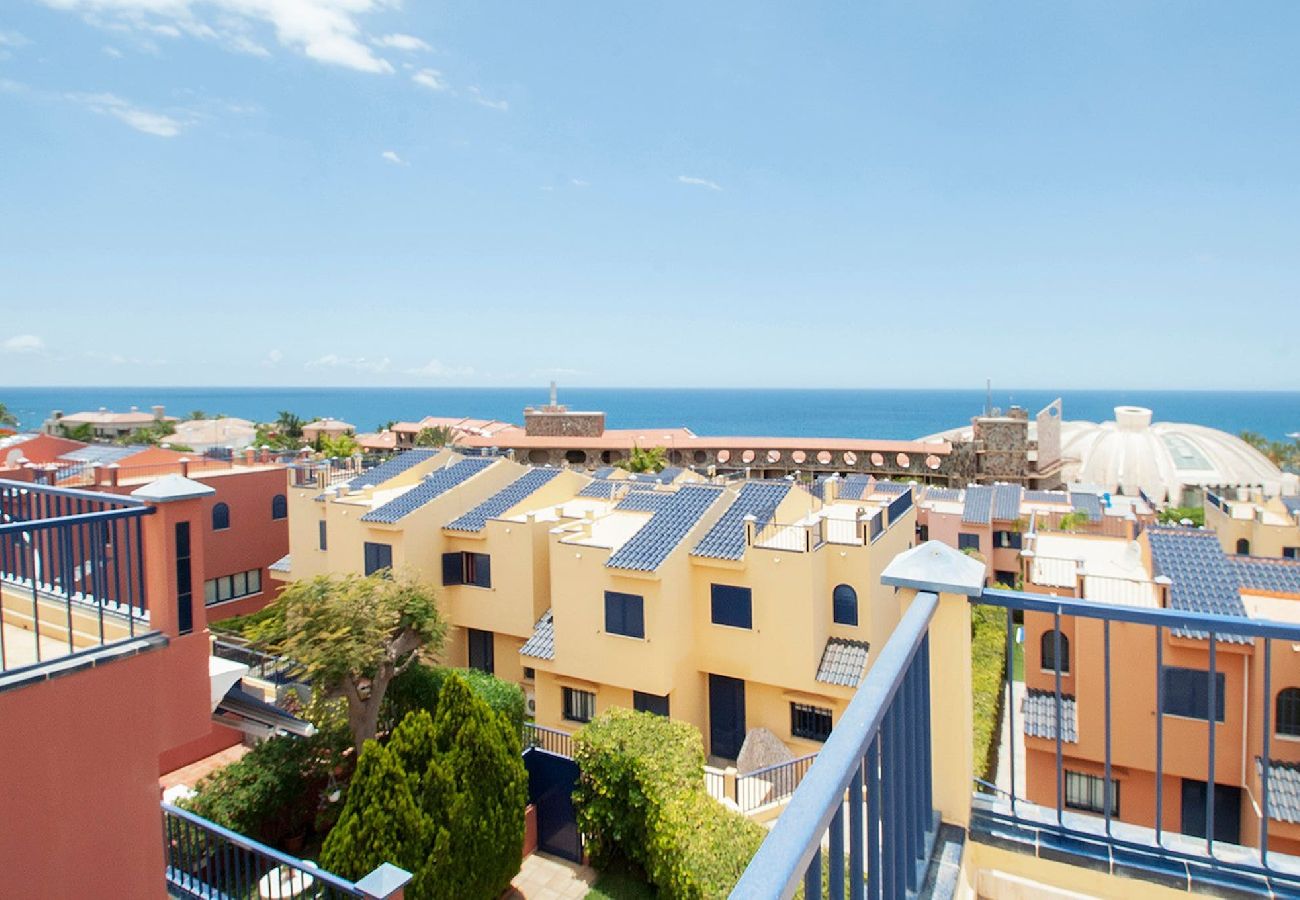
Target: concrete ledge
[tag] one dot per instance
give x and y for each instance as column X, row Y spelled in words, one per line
column 83, row 659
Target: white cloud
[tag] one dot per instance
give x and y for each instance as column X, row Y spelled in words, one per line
column 579, row 182
column 13, row 39
column 112, row 52
column 436, row 369
column 327, row 31
column 356, row 363
column 273, row 358
column 158, row 124
column 408, row 42
column 699, row 182
column 24, row 343
column 430, row 78
column 477, row 96
column 117, row 359
column 393, row 158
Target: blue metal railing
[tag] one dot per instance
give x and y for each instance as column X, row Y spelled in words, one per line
column 71, row 570
column 552, row 740
column 1193, row 630
column 205, row 861
column 880, row 748
column 771, row 784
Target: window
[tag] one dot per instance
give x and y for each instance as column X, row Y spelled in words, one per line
column 1288, row 712
column 1047, row 649
column 1088, row 793
column 232, row 587
column 1005, row 578
column 529, row 673
column 1290, row 552
column 811, row 722
column 1243, row 547
column 624, row 614
column 184, row 587
column 922, row 533
column 220, row 517
column 323, row 544
column 1187, row 693
column 968, row 541
column 650, row 703
column 844, row 601
column 482, row 654
column 579, row 706
column 467, row 568
column 378, row 557
column 732, row 606
column 1006, row 540
column 279, row 507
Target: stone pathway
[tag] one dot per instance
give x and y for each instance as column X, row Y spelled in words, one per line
column 190, row 775
column 545, row 877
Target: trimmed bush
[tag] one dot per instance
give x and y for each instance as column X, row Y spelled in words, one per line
column 641, row 796
column 380, row 822
column 418, row 687
column 988, row 662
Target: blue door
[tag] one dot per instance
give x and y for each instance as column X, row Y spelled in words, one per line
column 726, row 716
column 551, row 781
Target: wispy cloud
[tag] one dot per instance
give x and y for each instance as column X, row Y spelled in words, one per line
column 13, row 39
column 393, row 158
column 119, row 359
column 23, row 344
column 143, row 120
column 408, row 42
column 328, row 31
column 477, row 96
column 430, row 78
column 273, row 359
column 579, row 182
column 355, row 363
column 699, row 182
column 111, row 52
column 436, row 369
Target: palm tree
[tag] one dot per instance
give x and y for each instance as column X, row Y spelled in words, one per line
column 652, row 460
column 7, row 417
column 288, row 424
column 436, row 436
column 197, row 414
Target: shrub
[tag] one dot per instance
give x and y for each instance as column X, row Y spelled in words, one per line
column 641, row 796
column 418, row 687
column 380, row 821
column 988, row 663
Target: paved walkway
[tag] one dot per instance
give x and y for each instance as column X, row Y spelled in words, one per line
column 1016, row 741
column 190, row 775
column 545, row 877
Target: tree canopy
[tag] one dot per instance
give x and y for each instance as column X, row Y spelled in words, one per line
column 651, row 460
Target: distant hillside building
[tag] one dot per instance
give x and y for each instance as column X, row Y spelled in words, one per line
column 105, row 425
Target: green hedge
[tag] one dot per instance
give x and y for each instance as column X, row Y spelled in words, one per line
column 641, row 796
column 988, row 660
column 418, row 688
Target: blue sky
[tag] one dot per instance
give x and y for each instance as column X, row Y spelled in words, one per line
column 291, row 192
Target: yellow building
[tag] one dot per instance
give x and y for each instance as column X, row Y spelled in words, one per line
column 1255, row 526
column 733, row 606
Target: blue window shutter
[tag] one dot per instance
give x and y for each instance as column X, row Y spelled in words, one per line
column 732, row 606
column 452, row 568
column 482, row 570
column 845, row 605
column 323, row 543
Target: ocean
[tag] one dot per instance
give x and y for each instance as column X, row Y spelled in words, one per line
column 884, row 414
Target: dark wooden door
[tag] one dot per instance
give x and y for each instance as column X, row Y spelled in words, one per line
column 726, row 716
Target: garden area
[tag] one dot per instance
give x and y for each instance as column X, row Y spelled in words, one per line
column 411, row 763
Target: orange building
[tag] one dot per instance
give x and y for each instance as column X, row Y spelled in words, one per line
column 1160, row 695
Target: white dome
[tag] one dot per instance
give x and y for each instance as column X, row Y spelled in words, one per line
column 1163, row 458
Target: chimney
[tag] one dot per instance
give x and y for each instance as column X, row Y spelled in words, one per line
column 158, row 412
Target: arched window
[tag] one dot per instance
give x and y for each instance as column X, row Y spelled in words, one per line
column 1048, row 649
column 279, row 507
column 220, row 517
column 1243, row 547
column 1288, row 712
column 845, row 602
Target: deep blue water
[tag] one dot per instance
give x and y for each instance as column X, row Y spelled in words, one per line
column 885, row 414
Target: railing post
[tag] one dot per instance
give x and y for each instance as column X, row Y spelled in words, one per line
column 388, row 882
column 937, row 568
column 730, row 785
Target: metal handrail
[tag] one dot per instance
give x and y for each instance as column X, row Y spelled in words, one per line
column 793, row 847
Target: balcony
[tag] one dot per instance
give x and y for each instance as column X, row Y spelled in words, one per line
column 890, row 807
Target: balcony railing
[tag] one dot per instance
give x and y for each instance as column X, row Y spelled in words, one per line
column 772, row 784
column 205, row 861
column 267, row 666
column 71, row 572
column 552, row 740
column 879, row 754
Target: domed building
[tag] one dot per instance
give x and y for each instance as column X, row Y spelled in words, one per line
column 1171, row 462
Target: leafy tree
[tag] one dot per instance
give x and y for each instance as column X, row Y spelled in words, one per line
column 642, row 460
column 1073, row 521
column 340, row 445
column 354, row 634
column 386, row 426
column 1174, row 515
column 83, row 432
column 288, row 424
column 380, row 822
column 7, row 417
column 435, row 436
column 197, row 415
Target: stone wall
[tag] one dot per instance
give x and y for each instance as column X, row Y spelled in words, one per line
column 563, row 424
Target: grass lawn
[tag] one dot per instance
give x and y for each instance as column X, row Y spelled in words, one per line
column 1018, row 662
column 622, row 881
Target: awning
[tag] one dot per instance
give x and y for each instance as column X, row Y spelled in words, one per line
column 251, row 714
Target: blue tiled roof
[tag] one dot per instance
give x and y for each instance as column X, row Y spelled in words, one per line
column 979, row 505
column 726, row 539
column 644, row 501
column 604, row 472
column 542, row 642
column 1283, row 789
column 1277, row 576
column 1006, row 502
column 391, row 468
column 652, row 543
column 435, row 485
column 1087, row 503
column 1202, row 580
column 103, row 454
column 1039, row 712
column 599, row 488
column 890, row 487
column 855, row 486
column 667, row 476
column 1059, row 497
column 515, row 492
column 1292, row 505
column 943, row 494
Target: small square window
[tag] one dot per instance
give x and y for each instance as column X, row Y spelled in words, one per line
column 579, row 706
column 811, row 722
